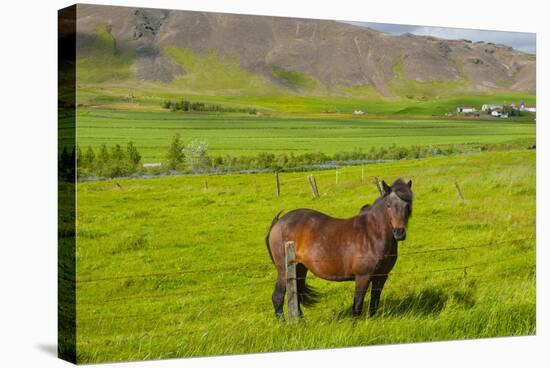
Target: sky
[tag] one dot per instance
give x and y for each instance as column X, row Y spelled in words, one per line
column 521, row 41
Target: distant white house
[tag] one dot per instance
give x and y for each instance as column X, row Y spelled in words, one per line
column 465, row 109
column 524, row 107
column 358, row 112
column 488, row 107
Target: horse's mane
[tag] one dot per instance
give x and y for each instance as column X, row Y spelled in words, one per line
column 364, row 209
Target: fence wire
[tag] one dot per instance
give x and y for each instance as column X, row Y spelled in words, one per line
column 253, row 305
column 264, row 265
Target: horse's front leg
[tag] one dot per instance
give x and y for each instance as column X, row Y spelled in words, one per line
column 377, row 286
column 361, row 286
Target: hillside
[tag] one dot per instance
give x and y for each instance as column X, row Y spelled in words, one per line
column 228, row 54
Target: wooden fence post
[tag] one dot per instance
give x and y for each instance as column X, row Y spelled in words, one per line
column 458, row 190
column 315, row 185
column 337, row 177
column 291, row 284
column 312, row 185
column 278, row 185
column 378, row 185
column 362, row 174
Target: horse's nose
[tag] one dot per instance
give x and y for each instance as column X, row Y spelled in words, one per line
column 400, row 233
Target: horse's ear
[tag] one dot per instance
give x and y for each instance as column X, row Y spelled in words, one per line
column 410, row 184
column 386, row 187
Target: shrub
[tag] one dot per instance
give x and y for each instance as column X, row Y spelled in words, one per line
column 175, row 155
column 133, row 156
column 89, row 157
column 196, row 156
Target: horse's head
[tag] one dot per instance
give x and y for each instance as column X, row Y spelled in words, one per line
column 398, row 202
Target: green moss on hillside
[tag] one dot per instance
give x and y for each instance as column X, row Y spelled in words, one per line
column 105, row 62
column 423, row 91
column 212, row 74
column 294, row 79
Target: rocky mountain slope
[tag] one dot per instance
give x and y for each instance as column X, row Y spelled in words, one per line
column 331, row 53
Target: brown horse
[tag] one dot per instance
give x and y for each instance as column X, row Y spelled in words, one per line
column 361, row 248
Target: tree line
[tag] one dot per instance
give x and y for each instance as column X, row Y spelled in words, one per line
column 186, row 105
column 118, row 161
column 193, row 158
column 109, row 162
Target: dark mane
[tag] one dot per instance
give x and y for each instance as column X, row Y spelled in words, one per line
column 364, row 209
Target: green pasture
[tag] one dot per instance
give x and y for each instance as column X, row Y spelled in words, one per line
column 149, row 96
column 242, row 134
column 178, row 267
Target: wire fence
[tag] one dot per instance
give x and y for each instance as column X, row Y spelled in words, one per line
column 253, row 306
column 263, row 284
column 361, row 175
column 247, row 266
column 263, row 307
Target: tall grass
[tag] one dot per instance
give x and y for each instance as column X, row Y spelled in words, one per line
column 172, row 267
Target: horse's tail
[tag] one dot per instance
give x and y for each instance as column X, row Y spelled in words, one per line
column 275, row 219
column 307, row 294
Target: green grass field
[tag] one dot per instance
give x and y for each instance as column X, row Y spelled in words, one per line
column 148, row 96
column 168, row 268
column 239, row 134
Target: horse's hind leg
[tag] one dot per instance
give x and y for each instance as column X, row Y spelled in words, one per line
column 301, row 274
column 278, row 297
